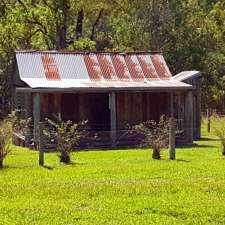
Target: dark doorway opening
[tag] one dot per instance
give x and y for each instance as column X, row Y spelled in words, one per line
column 69, row 109
column 100, row 112
column 93, row 107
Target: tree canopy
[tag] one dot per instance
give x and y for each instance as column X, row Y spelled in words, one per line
column 191, row 33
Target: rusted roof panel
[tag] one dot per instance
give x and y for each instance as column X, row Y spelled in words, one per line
column 120, row 67
column 93, row 67
column 148, row 67
column 95, row 70
column 50, row 67
column 161, row 67
column 134, row 68
column 106, row 66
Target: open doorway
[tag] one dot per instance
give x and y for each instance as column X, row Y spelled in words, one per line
column 93, row 107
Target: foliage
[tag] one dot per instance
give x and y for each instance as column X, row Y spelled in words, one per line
column 189, row 32
column 19, row 125
column 156, row 134
column 84, row 44
column 218, row 124
column 5, row 140
column 115, row 187
column 67, row 136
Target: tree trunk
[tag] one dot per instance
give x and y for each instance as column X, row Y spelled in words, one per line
column 1, row 163
column 156, row 154
column 79, row 27
column 223, row 149
column 65, row 157
column 96, row 24
column 61, row 25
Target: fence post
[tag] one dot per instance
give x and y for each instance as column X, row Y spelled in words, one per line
column 112, row 103
column 172, row 150
column 37, row 126
column 189, row 117
column 40, row 144
column 208, row 121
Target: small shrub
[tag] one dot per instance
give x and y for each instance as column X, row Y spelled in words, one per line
column 18, row 124
column 5, row 139
column 219, row 130
column 156, row 135
column 67, row 136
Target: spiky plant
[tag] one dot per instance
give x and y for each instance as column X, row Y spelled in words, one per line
column 5, row 140
column 66, row 135
column 219, row 129
column 156, row 135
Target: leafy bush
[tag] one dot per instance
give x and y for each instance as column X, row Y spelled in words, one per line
column 219, row 129
column 5, row 139
column 67, row 136
column 18, row 124
column 156, row 134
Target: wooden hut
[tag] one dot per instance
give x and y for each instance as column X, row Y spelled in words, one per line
column 110, row 90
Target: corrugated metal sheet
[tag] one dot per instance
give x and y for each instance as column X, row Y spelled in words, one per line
column 161, row 67
column 94, row 70
column 71, row 83
column 121, row 69
column 93, row 67
column 107, row 67
column 186, row 75
column 71, row 66
column 50, row 67
column 134, row 68
column 148, row 67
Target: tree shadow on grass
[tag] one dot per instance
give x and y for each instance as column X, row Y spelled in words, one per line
column 195, row 146
column 73, row 163
column 208, row 139
column 204, row 146
column 7, row 167
column 34, row 166
column 183, row 160
column 47, row 167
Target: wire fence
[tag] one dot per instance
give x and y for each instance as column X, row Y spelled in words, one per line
column 99, row 135
column 212, row 112
column 96, row 136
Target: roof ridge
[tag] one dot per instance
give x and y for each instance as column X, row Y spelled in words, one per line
column 86, row 52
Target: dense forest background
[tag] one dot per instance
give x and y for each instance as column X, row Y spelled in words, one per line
column 191, row 33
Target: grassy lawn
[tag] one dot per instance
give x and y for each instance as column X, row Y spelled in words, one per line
column 115, row 187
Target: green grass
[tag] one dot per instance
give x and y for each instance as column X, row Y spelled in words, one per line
column 115, row 187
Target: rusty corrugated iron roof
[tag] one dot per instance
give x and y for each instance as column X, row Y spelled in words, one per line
column 50, row 69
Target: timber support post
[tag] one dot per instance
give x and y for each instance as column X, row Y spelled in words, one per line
column 28, row 115
column 172, row 150
column 112, row 104
column 37, row 129
column 198, row 110
column 208, row 121
column 189, row 117
column 40, row 144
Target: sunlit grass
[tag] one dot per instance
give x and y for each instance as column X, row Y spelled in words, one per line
column 115, row 187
